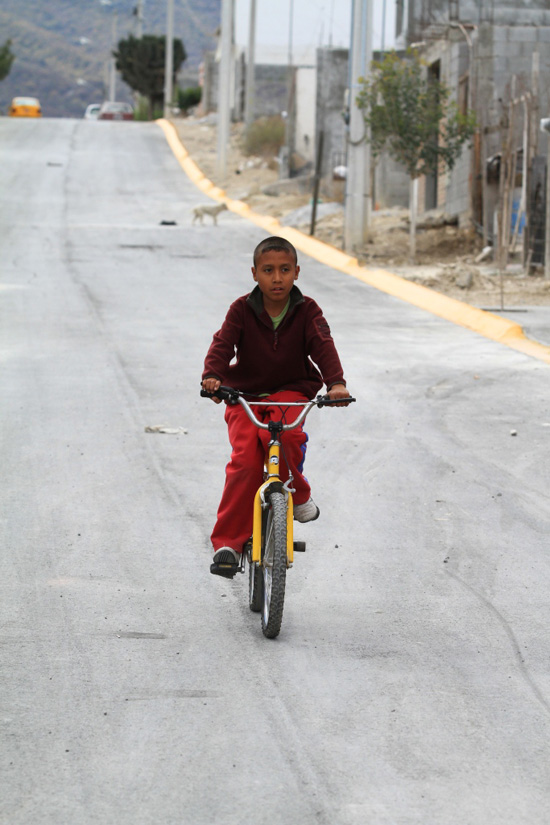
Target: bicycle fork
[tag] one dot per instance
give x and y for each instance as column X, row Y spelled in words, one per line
column 273, row 484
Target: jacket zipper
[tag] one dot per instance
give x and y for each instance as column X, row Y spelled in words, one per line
column 275, row 339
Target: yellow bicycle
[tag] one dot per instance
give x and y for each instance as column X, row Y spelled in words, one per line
column 270, row 551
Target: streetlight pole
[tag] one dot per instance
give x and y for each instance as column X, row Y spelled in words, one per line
column 169, row 57
column 290, row 33
column 358, row 179
column 112, row 65
column 250, row 61
column 224, row 87
column 286, row 157
column 139, row 15
column 545, row 127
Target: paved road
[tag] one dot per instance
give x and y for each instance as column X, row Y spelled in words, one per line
column 410, row 683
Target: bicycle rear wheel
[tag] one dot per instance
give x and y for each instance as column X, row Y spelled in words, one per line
column 274, row 566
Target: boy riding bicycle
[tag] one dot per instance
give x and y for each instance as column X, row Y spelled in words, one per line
column 277, row 336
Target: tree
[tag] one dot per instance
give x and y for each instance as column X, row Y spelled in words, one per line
column 410, row 114
column 187, row 98
column 6, row 59
column 141, row 61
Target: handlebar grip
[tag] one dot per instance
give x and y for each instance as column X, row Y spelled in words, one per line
column 325, row 401
column 225, row 393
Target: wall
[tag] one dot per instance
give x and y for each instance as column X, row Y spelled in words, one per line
column 453, row 186
column 208, row 79
column 271, row 95
column 421, row 15
column 306, row 91
column 391, row 184
column 332, row 82
column 504, row 36
column 503, row 52
column 271, row 92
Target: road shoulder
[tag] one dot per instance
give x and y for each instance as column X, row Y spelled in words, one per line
column 500, row 329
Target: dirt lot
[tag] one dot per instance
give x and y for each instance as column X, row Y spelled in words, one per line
column 445, row 254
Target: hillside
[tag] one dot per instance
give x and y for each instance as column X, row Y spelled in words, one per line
column 62, row 47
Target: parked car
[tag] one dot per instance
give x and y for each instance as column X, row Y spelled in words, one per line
column 115, row 111
column 92, row 111
column 25, row 107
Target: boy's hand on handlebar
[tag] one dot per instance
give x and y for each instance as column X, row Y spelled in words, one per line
column 211, row 385
column 339, row 392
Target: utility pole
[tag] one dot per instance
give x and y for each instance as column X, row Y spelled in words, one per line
column 250, row 61
column 358, row 179
column 224, row 87
column 169, row 57
column 545, row 127
column 290, row 122
column 112, row 64
column 139, row 15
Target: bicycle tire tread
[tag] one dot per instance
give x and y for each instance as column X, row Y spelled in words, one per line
column 272, row 627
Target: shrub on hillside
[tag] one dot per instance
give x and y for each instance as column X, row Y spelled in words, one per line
column 187, row 98
column 141, row 108
column 265, row 136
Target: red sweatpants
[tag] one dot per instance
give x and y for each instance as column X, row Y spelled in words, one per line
column 244, row 473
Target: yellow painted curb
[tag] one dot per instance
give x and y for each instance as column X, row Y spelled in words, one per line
column 484, row 323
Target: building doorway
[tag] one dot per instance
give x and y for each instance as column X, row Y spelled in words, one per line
column 430, row 198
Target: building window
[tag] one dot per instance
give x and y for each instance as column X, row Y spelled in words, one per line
column 454, row 13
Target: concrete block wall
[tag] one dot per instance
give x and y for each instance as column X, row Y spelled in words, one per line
column 391, row 184
column 501, row 54
column 306, row 91
column 421, row 205
column 454, row 184
column 426, row 16
column 271, row 87
column 456, row 198
column 271, row 93
column 503, row 47
column 332, row 82
column 209, row 75
column 442, row 186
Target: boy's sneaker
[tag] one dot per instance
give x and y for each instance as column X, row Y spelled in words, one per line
column 225, row 555
column 306, row 512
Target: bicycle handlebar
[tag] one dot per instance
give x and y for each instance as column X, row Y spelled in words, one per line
column 225, row 393
column 233, row 397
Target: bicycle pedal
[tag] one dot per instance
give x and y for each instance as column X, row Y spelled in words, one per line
column 228, row 571
column 299, row 547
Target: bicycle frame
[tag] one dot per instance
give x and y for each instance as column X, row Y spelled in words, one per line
column 271, row 551
column 273, row 477
column 272, row 465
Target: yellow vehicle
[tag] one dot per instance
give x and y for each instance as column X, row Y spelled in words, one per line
column 25, row 107
column 270, row 552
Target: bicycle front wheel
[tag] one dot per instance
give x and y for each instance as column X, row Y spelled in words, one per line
column 274, row 566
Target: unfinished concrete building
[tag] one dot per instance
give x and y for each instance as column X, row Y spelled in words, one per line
column 492, row 55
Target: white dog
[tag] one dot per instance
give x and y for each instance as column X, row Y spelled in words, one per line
column 200, row 211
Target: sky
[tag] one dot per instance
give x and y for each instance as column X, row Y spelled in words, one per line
column 315, row 22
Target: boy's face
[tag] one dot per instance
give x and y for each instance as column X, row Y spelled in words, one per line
column 275, row 273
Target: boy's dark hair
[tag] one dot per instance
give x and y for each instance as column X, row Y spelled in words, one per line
column 275, row 244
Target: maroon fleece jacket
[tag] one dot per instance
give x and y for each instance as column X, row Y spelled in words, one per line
column 269, row 360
